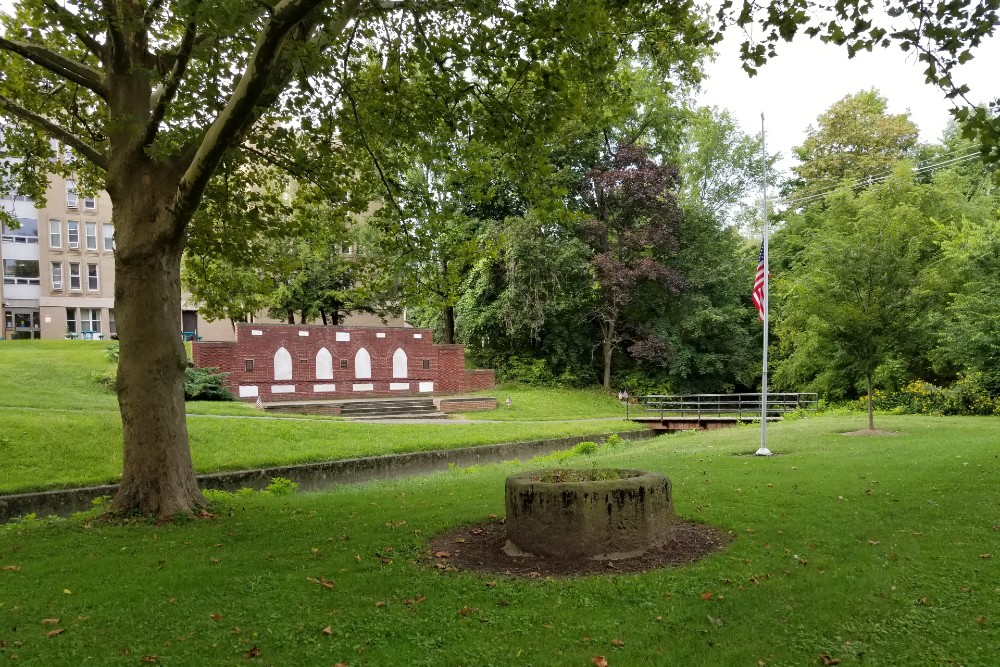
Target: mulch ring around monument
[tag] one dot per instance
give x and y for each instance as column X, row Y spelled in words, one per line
column 479, row 548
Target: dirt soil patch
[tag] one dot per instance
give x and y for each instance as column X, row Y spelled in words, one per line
column 866, row 431
column 479, row 548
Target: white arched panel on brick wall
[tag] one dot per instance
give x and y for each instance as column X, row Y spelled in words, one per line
column 282, row 364
column 362, row 364
column 324, row 364
column 399, row 363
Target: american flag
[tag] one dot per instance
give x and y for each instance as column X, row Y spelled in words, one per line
column 260, row 403
column 758, row 284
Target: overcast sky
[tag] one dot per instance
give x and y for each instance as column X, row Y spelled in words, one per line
column 808, row 76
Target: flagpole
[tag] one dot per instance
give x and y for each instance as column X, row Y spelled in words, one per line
column 763, row 450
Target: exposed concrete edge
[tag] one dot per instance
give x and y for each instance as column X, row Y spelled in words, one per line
column 312, row 476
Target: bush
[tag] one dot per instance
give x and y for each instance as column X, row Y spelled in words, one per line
column 104, row 378
column 206, row 384
column 968, row 396
column 112, row 352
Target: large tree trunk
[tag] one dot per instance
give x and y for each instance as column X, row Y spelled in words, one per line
column 871, row 412
column 158, row 476
column 609, row 348
column 449, row 325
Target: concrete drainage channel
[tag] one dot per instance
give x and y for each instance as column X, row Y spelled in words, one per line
column 312, row 476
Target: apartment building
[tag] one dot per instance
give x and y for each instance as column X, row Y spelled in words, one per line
column 59, row 272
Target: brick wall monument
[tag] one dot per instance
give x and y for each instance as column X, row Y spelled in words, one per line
column 285, row 362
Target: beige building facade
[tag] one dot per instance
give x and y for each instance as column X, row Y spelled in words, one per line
column 59, row 272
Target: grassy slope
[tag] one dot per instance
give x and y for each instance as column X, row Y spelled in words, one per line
column 60, row 428
column 868, row 550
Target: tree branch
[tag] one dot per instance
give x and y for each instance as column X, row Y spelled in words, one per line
column 72, row 23
column 166, row 91
column 244, row 106
column 58, row 64
column 83, row 148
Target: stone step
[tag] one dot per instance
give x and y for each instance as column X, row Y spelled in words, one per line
column 397, row 410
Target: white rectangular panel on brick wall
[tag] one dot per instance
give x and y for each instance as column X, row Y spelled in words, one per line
column 380, row 335
column 256, row 332
column 248, row 390
column 320, row 388
column 283, row 389
column 303, row 333
column 418, row 335
column 399, row 386
column 364, row 387
column 426, row 386
column 343, row 336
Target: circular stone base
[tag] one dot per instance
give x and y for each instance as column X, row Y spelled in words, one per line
column 602, row 519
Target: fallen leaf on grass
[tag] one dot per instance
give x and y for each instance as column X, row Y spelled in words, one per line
column 49, row 621
column 491, row 584
column 150, row 658
column 396, row 524
column 599, row 661
column 322, row 581
column 828, row 661
column 413, row 602
column 617, row 643
column 442, row 554
column 873, row 542
column 216, row 617
column 252, row 653
column 922, row 601
column 476, row 531
column 707, row 595
column 341, row 664
column 985, row 556
column 717, row 622
column 380, row 603
column 11, row 568
column 328, row 630
column 459, row 540
column 53, row 633
column 980, row 620
column 467, row 611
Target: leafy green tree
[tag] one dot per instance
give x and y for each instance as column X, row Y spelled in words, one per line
column 848, row 304
column 151, row 98
column 855, row 139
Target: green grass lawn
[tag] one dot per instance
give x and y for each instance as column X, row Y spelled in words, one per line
column 534, row 404
column 867, row 550
column 61, row 428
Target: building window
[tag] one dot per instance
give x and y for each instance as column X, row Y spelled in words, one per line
column 72, row 200
column 91, row 235
column 55, row 233
column 109, row 237
column 74, row 276
column 21, row 272
column 73, row 234
column 89, row 203
column 112, row 327
column 92, row 277
column 71, row 320
column 90, row 319
column 248, row 365
column 427, row 364
column 57, row 281
column 343, row 363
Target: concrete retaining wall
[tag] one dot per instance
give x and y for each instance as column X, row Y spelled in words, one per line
column 311, row 476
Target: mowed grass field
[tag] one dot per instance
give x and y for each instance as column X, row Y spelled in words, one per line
column 847, row 550
column 60, row 428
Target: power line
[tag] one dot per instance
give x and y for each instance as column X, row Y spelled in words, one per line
column 871, row 180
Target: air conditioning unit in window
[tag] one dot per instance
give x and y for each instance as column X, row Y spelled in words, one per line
column 56, row 284
column 74, row 245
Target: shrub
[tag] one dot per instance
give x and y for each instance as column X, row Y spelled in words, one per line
column 112, row 352
column 281, row 486
column 105, row 378
column 968, row 396
column 206, row 384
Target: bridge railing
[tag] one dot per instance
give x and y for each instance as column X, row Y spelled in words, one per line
column 717, row 405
